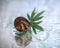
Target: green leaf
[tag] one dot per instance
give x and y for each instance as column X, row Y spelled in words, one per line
column 38, row 27
column 37, row 22
column 37, row 18
column 28, row 17
column 34, row 30
column 22, row 33
column 33, row 13
column 39, row 14
column 29, row 31
column 16, row 31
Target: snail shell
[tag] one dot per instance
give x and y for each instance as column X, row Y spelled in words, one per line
column 22, row 24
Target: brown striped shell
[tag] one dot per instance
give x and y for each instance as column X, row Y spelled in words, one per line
column 22, row 24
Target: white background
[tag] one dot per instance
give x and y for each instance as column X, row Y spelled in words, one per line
column 10, row 9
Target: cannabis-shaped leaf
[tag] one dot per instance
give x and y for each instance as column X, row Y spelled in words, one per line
column 22, row 25
column 34, row 19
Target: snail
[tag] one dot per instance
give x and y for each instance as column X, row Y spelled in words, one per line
column 22, row 24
